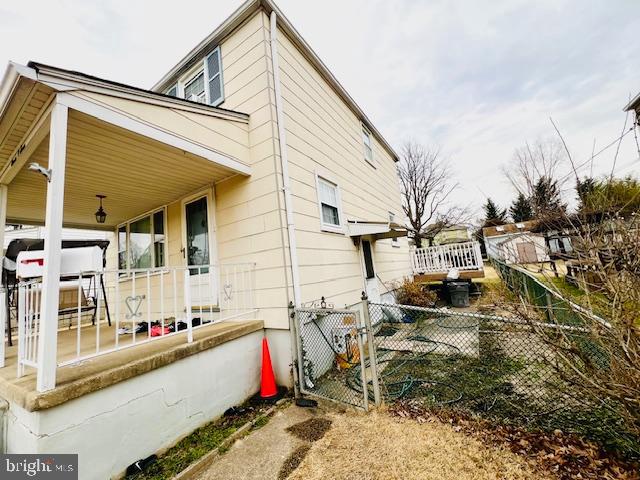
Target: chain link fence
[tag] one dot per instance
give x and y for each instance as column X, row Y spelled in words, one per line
column 525, row 285
column 331, row 356
column 495, row 367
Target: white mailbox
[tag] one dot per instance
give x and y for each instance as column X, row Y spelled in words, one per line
column 30, row 264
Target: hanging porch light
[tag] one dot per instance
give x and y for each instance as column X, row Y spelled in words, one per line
column 101, row 215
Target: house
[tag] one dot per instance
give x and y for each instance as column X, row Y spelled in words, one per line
column 516, row 243
column 246, row 179
column 452, row 234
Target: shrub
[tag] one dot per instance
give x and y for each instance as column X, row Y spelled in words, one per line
column 410, row 292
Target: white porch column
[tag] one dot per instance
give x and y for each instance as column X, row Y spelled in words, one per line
column 3, row 309
column 48, row 341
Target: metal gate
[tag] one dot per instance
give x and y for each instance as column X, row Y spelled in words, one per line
column 333, row 355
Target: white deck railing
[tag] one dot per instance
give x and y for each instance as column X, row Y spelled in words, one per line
column 442, row 258
column 116, row 309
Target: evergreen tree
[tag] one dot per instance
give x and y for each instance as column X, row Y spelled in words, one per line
column 546, row 201
column 521, row 210
column 493, row 215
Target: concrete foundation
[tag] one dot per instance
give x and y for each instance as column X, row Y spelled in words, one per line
column 117, row 425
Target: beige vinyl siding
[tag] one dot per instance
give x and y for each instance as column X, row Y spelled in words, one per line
column 324, row 135
column 249, row 214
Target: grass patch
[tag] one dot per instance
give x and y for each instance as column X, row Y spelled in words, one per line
column 512, row 389
column 200, row 442
column 594, row 301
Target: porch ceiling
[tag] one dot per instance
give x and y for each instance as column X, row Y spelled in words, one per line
column 136, row 173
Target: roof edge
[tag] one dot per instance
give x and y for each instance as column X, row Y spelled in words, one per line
column 235, row 20
column 69, row 79
column 633, row 104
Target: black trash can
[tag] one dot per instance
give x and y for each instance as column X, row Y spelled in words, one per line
column 459, row 293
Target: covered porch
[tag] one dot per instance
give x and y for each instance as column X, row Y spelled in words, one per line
column 81, row 152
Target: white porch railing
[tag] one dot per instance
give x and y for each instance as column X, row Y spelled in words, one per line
column 117, row 309
column 442, row 258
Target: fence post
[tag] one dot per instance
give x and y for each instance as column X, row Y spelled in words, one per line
column 363, row 366
column 294, row 350
column 373, row 362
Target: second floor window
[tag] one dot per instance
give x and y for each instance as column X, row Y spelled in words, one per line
column 194, row 90
column 368, row 150
column 205, row 85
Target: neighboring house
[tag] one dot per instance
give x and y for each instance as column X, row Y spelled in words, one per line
column 634, row 105
column 245, row 180
column 452, row 234
column 516, row 243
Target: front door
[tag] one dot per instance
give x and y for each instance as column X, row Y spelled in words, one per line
column 370, row 277
column 197, row 252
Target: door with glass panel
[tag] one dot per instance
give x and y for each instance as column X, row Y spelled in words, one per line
column 197, row 253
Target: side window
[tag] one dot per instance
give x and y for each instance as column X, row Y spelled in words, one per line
column 329, row 203
column 394, row 240
column 368, row 149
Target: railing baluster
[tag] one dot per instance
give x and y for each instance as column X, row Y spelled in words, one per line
column 79, row 314
column 98, row 311
column 187, row 301
column 162, row 301
column 117, row 299
column 22, row 304
column 175, row 299
column 148, row 304
column 133, row 317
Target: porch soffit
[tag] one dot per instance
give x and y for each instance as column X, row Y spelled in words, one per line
column 136, row 173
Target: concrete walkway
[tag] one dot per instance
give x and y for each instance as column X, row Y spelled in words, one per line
column 260, row 455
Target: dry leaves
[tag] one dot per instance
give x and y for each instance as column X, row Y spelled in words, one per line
column 565, row 456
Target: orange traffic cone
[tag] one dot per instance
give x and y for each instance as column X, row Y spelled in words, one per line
column 268, row 387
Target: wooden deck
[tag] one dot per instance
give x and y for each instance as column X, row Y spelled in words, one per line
column 442, row 276
column 99, row 372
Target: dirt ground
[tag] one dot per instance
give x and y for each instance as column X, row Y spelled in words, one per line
column 326, row 443
column 378, row 446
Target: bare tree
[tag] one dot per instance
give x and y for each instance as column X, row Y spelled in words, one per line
column 590, row 323
column 534, row 161
column 427, row 184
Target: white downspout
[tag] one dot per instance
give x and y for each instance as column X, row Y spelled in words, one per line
column 284, row 162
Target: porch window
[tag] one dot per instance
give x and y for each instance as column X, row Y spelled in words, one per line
column 329, row 200
column 141, row 242
column 122, row 247
column 158, row 239
column 368, row 150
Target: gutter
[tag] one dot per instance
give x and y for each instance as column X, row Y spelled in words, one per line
column 284, row 162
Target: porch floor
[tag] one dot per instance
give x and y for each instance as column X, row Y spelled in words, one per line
column 99, row 372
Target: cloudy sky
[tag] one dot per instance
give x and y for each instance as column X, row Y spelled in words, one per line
column 477, row 78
